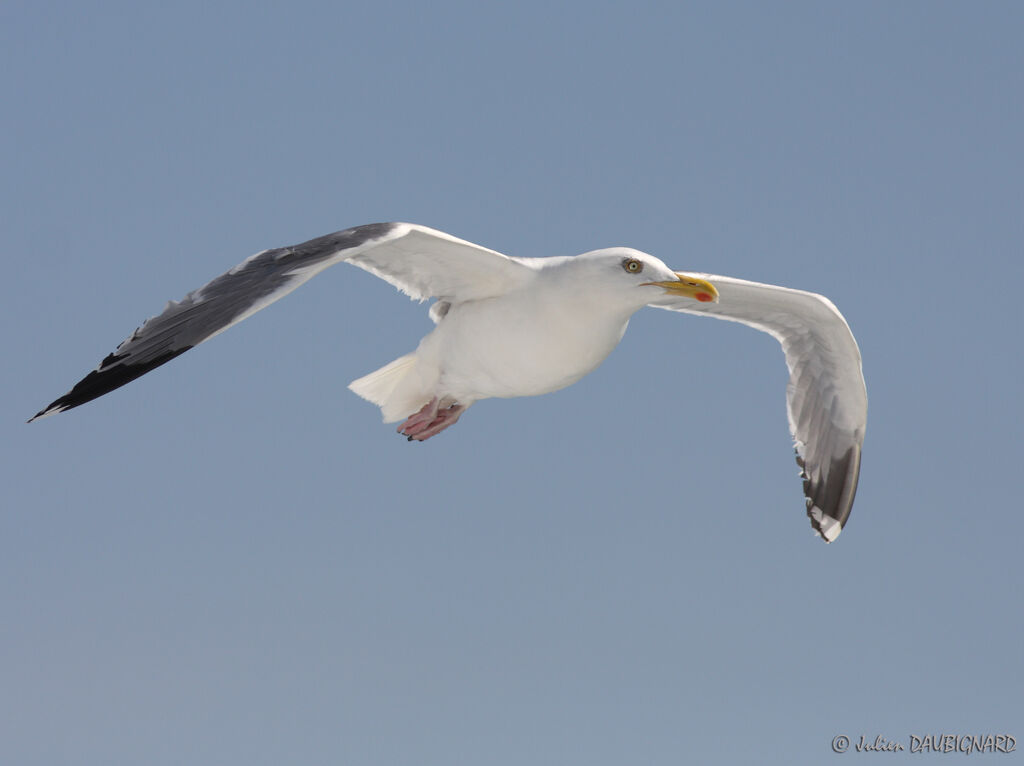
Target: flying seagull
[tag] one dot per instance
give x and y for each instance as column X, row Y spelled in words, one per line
column 525, row 326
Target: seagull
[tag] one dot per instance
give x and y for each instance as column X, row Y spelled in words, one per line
column 509, row 327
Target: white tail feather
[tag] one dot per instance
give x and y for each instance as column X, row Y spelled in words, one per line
column 395, row 388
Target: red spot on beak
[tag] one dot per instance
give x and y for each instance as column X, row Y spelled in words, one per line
column 703, row 297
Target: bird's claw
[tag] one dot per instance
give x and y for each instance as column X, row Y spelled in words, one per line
column 431, row 419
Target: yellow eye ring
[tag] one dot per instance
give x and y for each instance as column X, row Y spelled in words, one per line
column 632, row 266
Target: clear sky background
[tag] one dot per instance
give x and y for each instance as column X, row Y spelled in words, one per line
column 231, row 561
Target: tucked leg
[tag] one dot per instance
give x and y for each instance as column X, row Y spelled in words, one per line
column 435, row 416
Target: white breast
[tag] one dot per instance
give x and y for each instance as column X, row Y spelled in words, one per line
column 523, row 343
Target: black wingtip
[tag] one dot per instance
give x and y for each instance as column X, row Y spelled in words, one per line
column 831, row 497
column 112, row 373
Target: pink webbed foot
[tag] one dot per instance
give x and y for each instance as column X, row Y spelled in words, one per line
column 435, row 416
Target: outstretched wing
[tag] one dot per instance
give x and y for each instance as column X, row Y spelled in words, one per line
column 420, row 262
column 826, row 399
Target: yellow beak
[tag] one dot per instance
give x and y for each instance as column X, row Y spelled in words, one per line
column 689, row 286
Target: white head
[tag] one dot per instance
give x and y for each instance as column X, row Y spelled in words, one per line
column 632, row 278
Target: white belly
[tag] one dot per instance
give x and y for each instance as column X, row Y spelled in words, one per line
column 518, row 345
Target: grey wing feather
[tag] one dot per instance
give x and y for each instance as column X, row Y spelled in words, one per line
column 426, row 263
column 419, row 261
column 826, row 399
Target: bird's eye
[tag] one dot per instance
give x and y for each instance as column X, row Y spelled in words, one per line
column 632, row 265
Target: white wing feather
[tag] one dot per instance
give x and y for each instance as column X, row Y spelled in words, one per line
column 826, row 399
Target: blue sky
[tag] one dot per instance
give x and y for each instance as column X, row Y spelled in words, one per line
column 232, row 561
